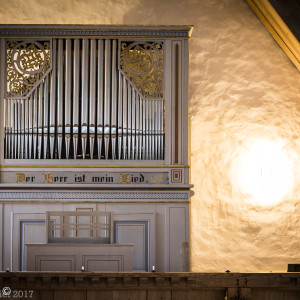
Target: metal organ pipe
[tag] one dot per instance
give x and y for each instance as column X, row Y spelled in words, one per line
column 52, row 112
column 76, row 68
column 46, row 116
column 30, row 133
column 7, row 129
column 129, row 122
column 124, row 125
column 120, row 115
column 60, row 99
column 100, row 100
column 133, row 132
column 85, row 108
column 18, row 104
column 114, row 75
column 67, row 106
column 40, row 119
column 92, row 98
column 107, row 88
column 84, row 95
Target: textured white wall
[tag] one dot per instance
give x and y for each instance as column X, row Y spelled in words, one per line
column 242, row 88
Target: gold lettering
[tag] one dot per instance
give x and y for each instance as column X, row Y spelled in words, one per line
column 125, row 178
column 48, row 178
column 20, row 177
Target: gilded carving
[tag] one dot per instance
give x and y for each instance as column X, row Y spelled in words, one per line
column 143, row 64
column 27, row 63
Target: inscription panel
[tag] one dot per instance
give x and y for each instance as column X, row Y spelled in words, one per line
column 62, row 177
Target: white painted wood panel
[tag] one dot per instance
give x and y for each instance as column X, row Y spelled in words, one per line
column 135, row 232
column 135, row 219
column 177, row 235
column 99, row 257
column 26, row 228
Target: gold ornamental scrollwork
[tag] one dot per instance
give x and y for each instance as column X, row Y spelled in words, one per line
column 143, row 63
column 27, row 64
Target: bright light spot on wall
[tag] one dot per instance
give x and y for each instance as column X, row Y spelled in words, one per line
column 265, row 173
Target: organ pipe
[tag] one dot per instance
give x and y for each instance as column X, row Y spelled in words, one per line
column 92, row 98
column 40, row 104
column 76, row 68
column 107, row 88
column 100, row 99
column 52, row 112
column 67, row 106
column 114, row 99
column 84, row 95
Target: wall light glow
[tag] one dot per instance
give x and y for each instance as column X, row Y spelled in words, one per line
column 264, row 173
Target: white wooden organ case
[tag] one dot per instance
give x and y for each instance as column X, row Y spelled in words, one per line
column 94, row 148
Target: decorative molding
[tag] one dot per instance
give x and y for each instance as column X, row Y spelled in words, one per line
column 176, row 176
column 122, row 196
column 277, row 28
column 94, row 166
column 96, row 31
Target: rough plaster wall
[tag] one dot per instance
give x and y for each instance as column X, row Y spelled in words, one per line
column 242, row 87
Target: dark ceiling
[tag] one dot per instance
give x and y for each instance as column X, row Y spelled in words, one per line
column 289, row 11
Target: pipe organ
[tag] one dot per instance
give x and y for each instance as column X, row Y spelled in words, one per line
column 90, row 98
column 94, row 121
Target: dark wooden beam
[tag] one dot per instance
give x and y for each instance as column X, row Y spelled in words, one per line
column 277, row 28
column 142, row 286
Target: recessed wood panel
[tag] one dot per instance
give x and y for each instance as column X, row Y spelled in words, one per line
column 135, row 232
column 177, row 235
column 103, row 262
column 54, row 263
column 72, row 257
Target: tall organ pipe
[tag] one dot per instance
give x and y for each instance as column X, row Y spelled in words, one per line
column 46, row 106
column 52, row 103
column 100, row 72
column 113, row 124
column 84, row 95
column 107, row 95
column 120, row 115
column 133, row 131
column 18, row 104
column 124, row 142
column 76, row 66
column 67, row 108
column 40, row 118
column 129, row 120
column 92, row 99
